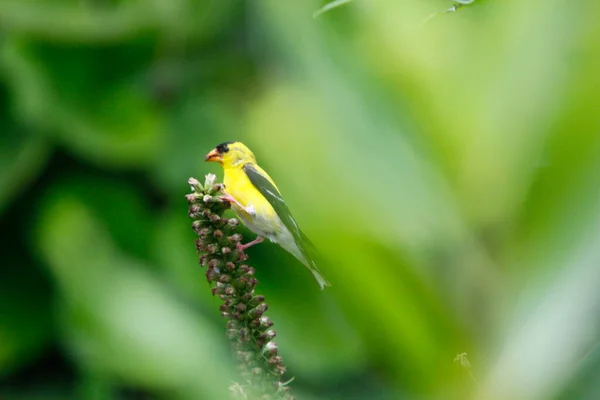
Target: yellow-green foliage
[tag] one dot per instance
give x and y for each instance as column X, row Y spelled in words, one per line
column 447, row 168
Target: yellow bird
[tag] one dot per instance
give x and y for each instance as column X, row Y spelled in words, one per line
column 257, row 202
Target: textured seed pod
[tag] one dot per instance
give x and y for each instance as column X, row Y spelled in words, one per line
column 248, row 329
column 256, row 300
column 234, row 239
column 265, row 322
column 211, row 275
column 270, row 334
column 191, row 198
column 200, row 245
column 258, row 311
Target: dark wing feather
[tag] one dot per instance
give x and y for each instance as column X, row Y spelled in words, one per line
column 270, row 192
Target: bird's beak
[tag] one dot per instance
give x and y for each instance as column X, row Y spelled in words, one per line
column 213, row 156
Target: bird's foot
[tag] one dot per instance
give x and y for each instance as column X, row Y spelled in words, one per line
column 259, row 239
column 230, row 199
column 249, row 209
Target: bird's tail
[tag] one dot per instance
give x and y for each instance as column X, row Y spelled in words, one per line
column 307, row 259
column 312, row 266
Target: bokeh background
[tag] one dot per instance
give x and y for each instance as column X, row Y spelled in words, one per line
column 448, row 168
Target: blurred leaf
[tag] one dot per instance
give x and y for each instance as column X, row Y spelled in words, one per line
column 175, row 253
column 25, row 311
column 560, row 312
column 100, row 112
column 195, row 126
column 122, row 208
column 585, row 385
column 329, row 6
column 78, row 22
column 309, row 322
column 22, row 157
column 119, row 319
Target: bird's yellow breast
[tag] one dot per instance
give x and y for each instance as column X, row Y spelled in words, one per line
column 238, row 185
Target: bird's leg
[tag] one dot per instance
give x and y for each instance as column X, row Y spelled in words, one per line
column 227, row 197
column 258, row 240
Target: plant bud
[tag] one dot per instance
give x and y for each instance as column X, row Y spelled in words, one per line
column 241, row 307
column 200, row 245
column 203, row 260
column 195, row 184
column 229, row 291
column 258, row 311
column 197, row 227
column 204, row 232
column 211, row 275
column 232, row 324
column 191, row 198
column 257, row 300
column 232, row 333
column 209, row 180
column 194, row 211
column 266, row 322
column 270, row 334
column 275, row 360
column 280, row 369
column 235, row 239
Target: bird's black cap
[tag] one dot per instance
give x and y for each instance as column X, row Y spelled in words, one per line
column 223, row 147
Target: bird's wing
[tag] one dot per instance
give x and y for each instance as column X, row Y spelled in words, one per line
column 270, row 192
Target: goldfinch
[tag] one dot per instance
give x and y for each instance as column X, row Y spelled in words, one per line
column 257, row 202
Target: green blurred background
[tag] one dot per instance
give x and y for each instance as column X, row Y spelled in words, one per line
column 448, row 169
